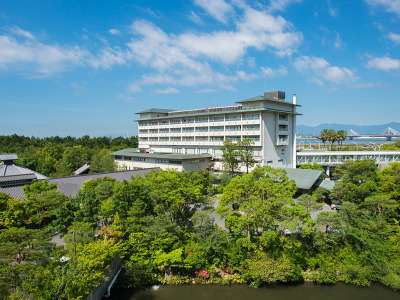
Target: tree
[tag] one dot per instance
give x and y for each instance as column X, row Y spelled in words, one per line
column 324, row 136
column 265, row 268
column 246, row 153
column 359, row 179
column 175, row 195
column 341, row 136
column 312, row 166
column 259, row 201
column 230, row 156
column 22, row 251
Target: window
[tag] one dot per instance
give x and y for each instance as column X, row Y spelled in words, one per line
column 164, row 122
column 202, row 138
column 143, row 139
column 161, row 161
column 154, row 139
column 164, row 130
column 176, row 121
column 254, row 138
column 188, row 139
column 154, row 123
column 251, row 117
column 233, row 128
column 217, row 119
column 217, row 138
column 202, row 120
column 153, row 130
column 138, row 158
column 283, row 117
column 143, row 131
column 283, row 127
column 144, row 123
column 251, row 127
column 175, row 162
column 164, row 139
column 201, row 129
column 175, row 130
column 186, row 121
column 234, row 138
column 175, row 139
column 217, row 128
column 188, row 129
column 233, row 118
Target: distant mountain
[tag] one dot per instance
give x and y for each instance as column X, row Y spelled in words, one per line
column 361, row 129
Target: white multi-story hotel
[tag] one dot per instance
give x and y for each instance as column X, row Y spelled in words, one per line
column 267, row 120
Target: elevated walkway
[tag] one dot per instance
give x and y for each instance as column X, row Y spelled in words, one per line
column 334, row 158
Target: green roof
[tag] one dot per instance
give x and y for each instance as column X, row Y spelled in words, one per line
column 133, row 153
column 305, row 178
column 220, row 113
column 155, row 110
column 263, row 98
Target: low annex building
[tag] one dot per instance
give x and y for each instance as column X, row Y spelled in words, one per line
column 140, row 158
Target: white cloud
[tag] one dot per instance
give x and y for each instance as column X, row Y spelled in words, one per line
column 46, row 59
column 338, row 42
column 23, row 33
column 320, row 70
column 169, row 90
column 195, row 18
column 281, row 4
column 384, row 63
column 394, row 37
column 108, row 57
column 206, row 91
column 268, row 72
column 218, row 9
column 389, row 5
column 114, row 31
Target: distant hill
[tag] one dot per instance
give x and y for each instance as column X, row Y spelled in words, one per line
column 361, row 129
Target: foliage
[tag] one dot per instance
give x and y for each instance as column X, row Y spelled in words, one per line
column 60, row 156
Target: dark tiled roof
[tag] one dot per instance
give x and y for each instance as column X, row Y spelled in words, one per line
column 13, row 178
column 16, row 169
column 8, row 156
column 70, row 185
column 15, row 192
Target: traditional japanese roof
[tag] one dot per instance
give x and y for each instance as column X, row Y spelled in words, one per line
column 326, row 184
column 70, row 185
column 305, row 178
column 8, row 156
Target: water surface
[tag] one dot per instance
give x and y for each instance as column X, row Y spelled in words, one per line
column 308, row 291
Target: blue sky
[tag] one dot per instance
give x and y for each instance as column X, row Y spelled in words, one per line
column 85, row 67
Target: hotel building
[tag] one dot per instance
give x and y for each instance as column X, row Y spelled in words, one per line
column 268, row 120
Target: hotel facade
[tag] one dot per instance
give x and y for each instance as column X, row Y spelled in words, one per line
column 268, row 120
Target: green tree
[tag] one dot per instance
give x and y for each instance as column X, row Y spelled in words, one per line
column 259, row 201
column 230, row 156
column 246, row 153
column 263, row 268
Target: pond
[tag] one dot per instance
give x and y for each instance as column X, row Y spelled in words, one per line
column 308, row 290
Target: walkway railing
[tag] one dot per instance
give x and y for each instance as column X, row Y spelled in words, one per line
column 98, row 292
column 332, row 158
